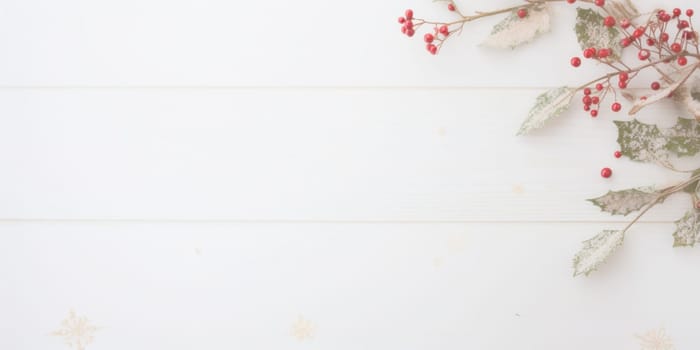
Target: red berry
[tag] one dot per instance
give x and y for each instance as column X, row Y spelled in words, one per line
column 651, row 42
column 595, row 100
column 689, row 12
column 586, row 108
column 409, row 14
column 655, row 85
column 444, row 30
column 586, row 91
column 451, row 7
column 625, row 23
column 428, row 38
column 663, row 37
column 602, row 53
column 682, row 61
column 622, row 84
column 587, row 100
column 599, row 87
column 600, row 2
column 402, row 20
column 660, row 14
column 616, row 107
column 575, row 61
column 643, row 54
column 623, row 76
column 688, row 35
column 571, row 1
column 617, row 154
column 683, row 24
column 638, row 32
column 432, row 49
column 410, row 32
column 606, row 172
column 676, row 12
column 403, row 29
column 676, row 47
column 588, row 53
column 665, row 18
column 625, row 42
column 522, row 13
column 594, row 113
column 409, row 24
column 609, row 21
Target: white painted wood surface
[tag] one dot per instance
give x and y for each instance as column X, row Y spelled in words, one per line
column 201, row 174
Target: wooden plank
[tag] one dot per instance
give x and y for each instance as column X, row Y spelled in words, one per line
column 370, row 286
column 309, row 154
column 270, row 43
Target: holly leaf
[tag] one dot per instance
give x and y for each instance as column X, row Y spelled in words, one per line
column 687, row 230
column 648, row 143
column 625, row 201
column 547, row 106
column 591, row 32
column 514, row 31
column 597, row 250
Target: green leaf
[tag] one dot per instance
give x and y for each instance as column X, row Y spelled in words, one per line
column 687, row 230
column 547, row 106
column 625, row 201
column 591, row 32
column 513, row 31
column 648, row 143
column 596, row 250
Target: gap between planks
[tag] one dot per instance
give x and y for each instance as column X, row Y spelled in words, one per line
column 361, row 222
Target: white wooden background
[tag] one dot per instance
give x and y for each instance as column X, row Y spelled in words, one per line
column 219, row 174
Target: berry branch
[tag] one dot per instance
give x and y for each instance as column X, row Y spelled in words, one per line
column 664, row 43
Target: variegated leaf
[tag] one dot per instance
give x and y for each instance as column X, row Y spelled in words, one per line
column 513, row 31
column 591, row 32
column 687, row 230
column 625, row 201
column 547, row 106
column 596, row 250
column 648, row 143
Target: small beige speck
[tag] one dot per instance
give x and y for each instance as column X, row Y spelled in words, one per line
column 303, row 329
column 456, row 244
column 442, row 132
column 438, row 262
column 518, row 189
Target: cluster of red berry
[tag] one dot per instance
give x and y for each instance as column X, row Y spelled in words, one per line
column 433, row 41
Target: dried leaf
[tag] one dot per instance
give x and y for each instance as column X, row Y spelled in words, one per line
column 596, row 250
column 625, row 201
column 621, row 9
column 679, row 78
column 591, row 32
column 687, row 230
column 547, row 106
column 513, row 31
column 690, row 97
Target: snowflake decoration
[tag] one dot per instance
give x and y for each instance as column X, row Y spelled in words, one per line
column 303, row 329
column 77, row 332
column 656, row 339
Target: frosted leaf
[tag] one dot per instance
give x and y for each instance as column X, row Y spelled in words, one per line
column 513, row 31
column 596, row 250
column 625, row 201
column 547, row 106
